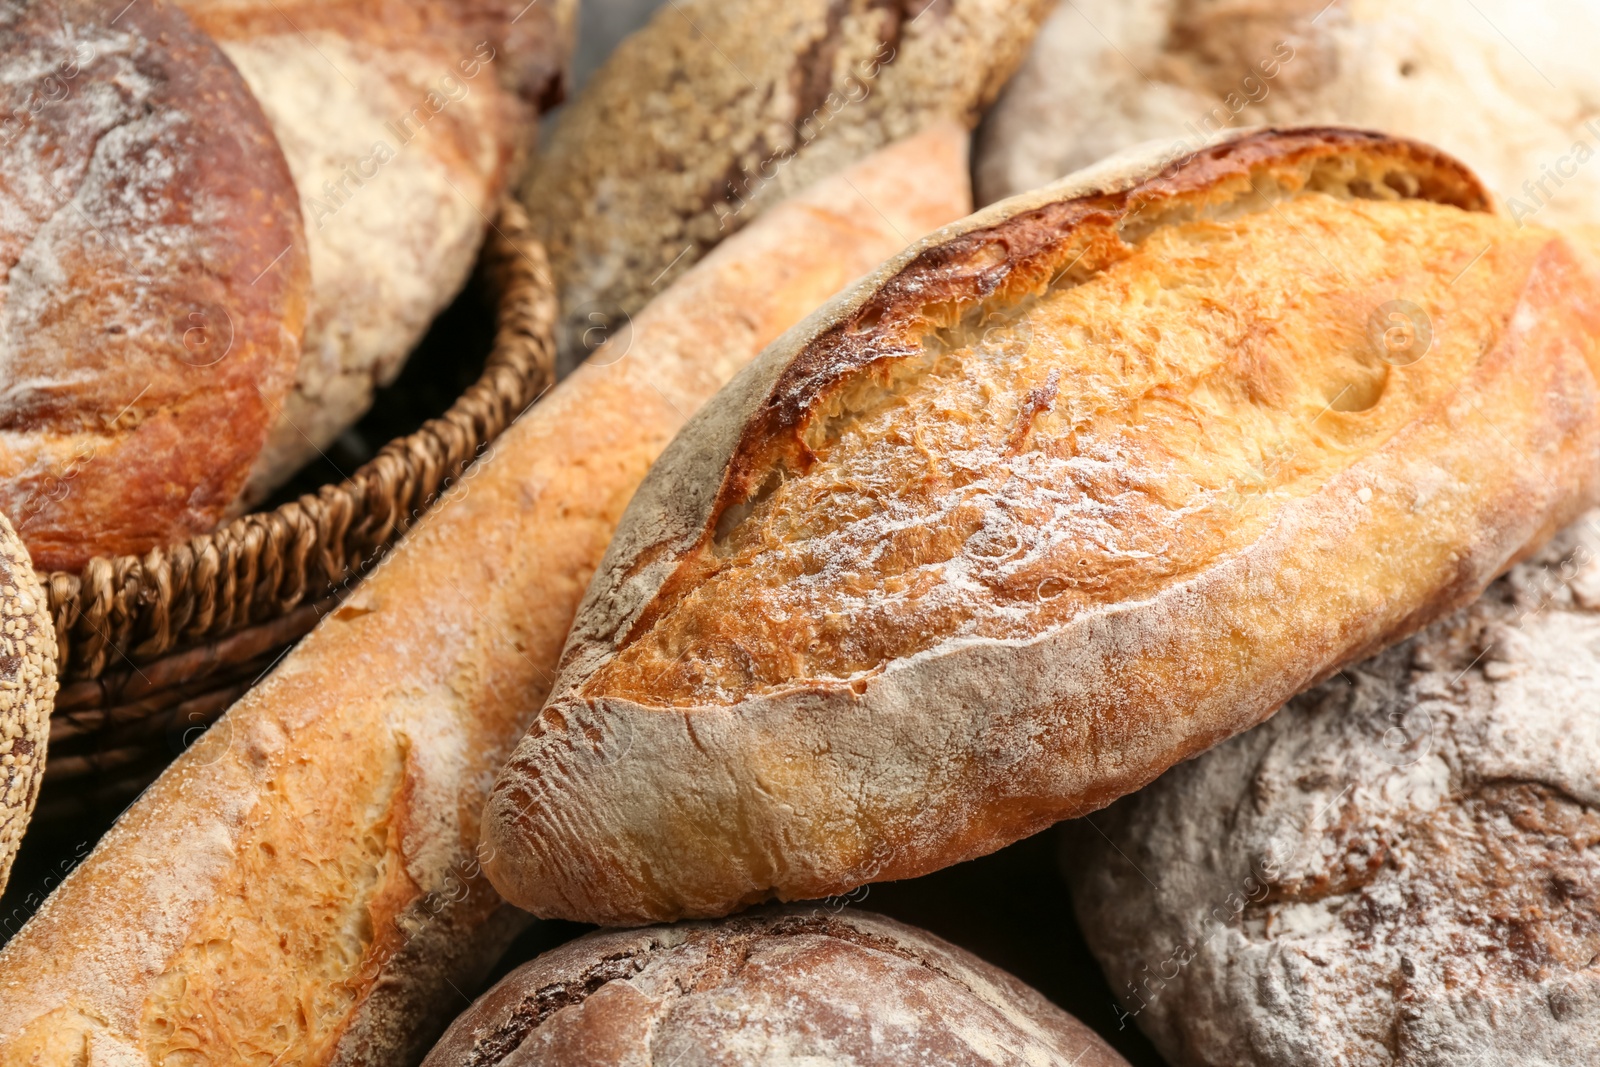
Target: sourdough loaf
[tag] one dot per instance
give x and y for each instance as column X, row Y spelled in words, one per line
column 154, row 278
column 1399, row 868
column 790, row 987
column 303, row 883
column 716, row 110
column 403, row 123
column 1067, row 492
column 1505, row 85
column 27, row 690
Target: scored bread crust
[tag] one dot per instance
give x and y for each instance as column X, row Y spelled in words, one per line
column 614, row 812
column 303, row 883
column 154, row 279
column 785, row 987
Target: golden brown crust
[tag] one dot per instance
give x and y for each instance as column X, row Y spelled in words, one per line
column 304, row 881
column 156, row 277
column 784, row 987
column 617, row 809
column 27, row 690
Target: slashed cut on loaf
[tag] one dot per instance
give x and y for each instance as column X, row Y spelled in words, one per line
column 1070, row 491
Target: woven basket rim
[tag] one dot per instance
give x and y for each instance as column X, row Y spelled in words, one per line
column 120, row 614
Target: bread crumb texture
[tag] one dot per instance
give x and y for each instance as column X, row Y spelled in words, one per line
column 1397, row 869
column 1089, row 445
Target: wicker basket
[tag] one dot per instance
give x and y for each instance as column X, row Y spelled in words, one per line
column 154, row 648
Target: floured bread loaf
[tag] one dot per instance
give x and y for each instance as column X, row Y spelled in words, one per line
column 152, row 278
column 1068, row 492
column 1508, row 86
column 716, row 110
column 304, row 883
column 786, row 987
column 1400, row 868
column 27, row 690
column 402, row 122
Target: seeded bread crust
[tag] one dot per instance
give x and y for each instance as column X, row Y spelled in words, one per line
column 788, row 987
column 27, row 690
column 716, row 110
column 616, row 811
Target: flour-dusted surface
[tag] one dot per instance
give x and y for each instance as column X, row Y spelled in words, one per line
column 1399, row 869
column 807, row 986
column 27, row 691
column 152, row 279
column 403, row 124
column 624, row 804
column 714, row 111
column 304, row 884
column 1505, row 85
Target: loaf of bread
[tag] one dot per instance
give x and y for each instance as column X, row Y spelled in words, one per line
column 1504, row 85
column 27, row 690
column 303, row 884
column 403, row 123
column 155, row 278
column 787, row 987
column 1066, row 493
column 717, row 109
column 1398, row 868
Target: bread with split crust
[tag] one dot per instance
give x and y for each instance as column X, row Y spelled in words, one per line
column 1064, row 494
column 303, row 884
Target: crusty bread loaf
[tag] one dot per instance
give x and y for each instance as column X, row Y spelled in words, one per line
column 717, row 109
column 303, row 883
column 402, row 122
column 784, row 987
column 1399, row 868
column 154, row 272
column 27, row 690
column 1504, row 85
column 1068, row 492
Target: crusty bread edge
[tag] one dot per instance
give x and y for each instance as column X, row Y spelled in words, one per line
column 613, row 812
column 672, row 508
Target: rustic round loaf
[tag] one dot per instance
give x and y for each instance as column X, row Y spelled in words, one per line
column 1505, row 85
column 27, row 690
column 155, row 270
column 716, row 110
column 1400, row 868
column 812, row 986
column 1068, row 492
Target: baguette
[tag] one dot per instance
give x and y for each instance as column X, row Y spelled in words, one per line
column 302, row 886
column 1070, row 491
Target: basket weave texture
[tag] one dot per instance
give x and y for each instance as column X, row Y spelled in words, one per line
column 153, row 648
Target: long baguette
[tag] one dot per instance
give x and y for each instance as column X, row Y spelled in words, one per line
column 302, row 885
column 1067, row 493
